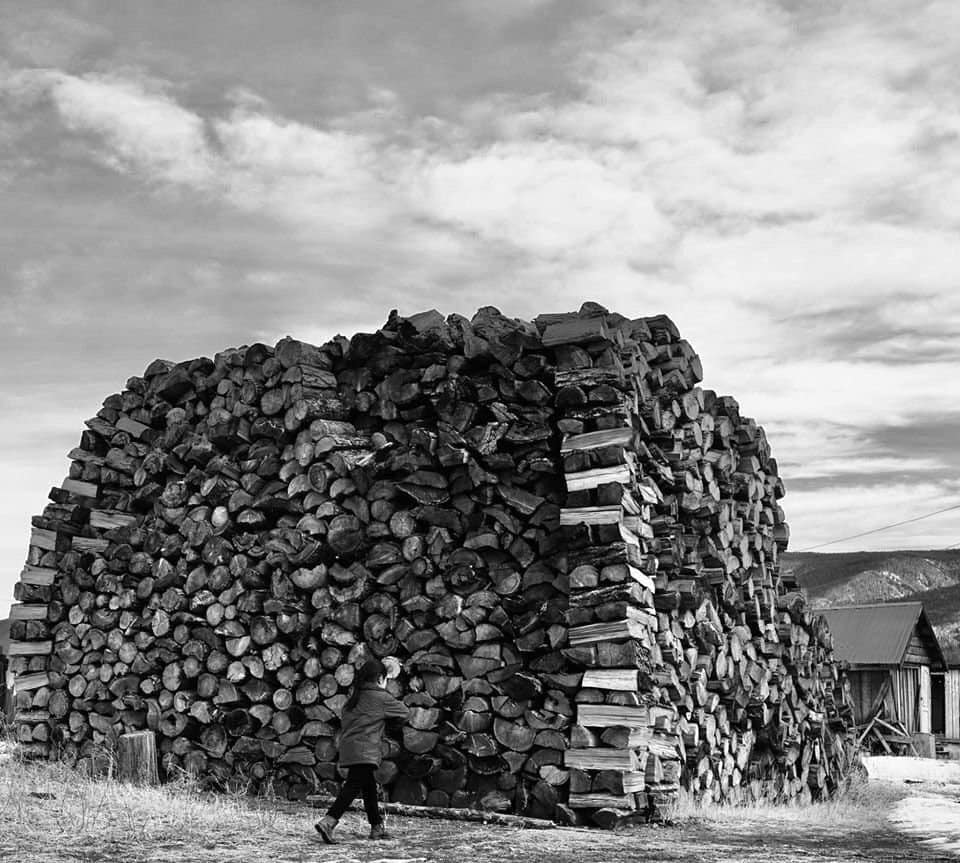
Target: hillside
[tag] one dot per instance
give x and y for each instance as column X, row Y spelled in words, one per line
column 930, row 577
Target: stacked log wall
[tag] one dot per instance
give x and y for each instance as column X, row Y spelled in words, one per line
column 744, row 699
column 571, row 547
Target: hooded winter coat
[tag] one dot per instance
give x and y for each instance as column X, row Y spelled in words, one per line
column 361, row 729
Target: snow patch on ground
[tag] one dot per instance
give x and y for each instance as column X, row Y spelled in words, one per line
column 934, row 820
column 931, row 814
column 905, row 769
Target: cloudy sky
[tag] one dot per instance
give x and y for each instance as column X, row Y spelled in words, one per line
column 783, row 179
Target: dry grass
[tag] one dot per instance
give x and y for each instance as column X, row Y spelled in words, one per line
column 860, row 804
column 50, row 806
column 49, row 812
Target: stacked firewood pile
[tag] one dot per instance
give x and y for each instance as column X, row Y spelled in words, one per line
column 571, row 547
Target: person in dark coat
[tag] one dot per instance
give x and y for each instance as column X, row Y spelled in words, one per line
column 365, row 715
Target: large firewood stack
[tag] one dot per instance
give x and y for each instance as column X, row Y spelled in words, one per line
column 721, row 677
column 571, row 547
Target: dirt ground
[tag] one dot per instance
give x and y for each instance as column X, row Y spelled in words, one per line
column 50, row 813
column 285, row 833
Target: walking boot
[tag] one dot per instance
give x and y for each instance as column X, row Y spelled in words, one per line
column 378, row 831
column 325, row 827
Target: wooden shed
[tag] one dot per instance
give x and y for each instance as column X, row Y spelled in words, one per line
column 891, row 650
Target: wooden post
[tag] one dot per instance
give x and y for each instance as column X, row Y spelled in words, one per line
column 137, row 758
column 923, row 699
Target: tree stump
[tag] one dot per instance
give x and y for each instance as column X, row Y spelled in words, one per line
column 137, row 758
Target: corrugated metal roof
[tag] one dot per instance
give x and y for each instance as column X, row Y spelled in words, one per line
column 879, row 634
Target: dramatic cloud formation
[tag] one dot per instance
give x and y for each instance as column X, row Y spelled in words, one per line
column 780, row 178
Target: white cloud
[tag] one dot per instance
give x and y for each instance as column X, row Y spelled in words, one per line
column 256, row 142
column 706, row 122
column 548, row 199
column 745, row 110
column 142, row 129
column 826, row 261
column 781, row 179
column 332, row 181
column 831, row 513
column 839, row 464
column 807, row 390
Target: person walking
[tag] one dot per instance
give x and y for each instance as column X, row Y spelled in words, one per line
column 365, row 714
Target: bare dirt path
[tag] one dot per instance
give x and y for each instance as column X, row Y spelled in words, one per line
column 287, row 835
column 50, row 814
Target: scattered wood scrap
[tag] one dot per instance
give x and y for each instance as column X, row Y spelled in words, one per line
column 446, row 813
column 887, row 736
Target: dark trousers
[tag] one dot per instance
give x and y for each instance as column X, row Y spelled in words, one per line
column 360, row 780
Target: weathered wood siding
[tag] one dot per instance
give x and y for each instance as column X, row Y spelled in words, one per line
column 951, row 700
column 911, row 692
column 917, row 652
column 864, row 688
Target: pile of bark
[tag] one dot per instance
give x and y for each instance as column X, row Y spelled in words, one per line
column 570, row 545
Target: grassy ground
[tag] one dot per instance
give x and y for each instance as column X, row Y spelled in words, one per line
column 51, row 813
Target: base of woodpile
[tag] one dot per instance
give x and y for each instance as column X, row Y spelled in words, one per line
column 445, row 813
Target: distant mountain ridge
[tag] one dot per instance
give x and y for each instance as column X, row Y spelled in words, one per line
column 854, row 578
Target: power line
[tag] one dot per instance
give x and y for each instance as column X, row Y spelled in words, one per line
column 885, row 527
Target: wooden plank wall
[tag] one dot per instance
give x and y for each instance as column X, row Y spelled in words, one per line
column 864, row 687
column 905, row 685
column 951, row 698
column 916, row 652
